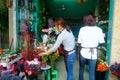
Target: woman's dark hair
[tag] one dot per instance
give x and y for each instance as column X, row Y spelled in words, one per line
column 88, row 20
column 60, row 21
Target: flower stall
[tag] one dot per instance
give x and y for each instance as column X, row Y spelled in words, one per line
column 26, row 63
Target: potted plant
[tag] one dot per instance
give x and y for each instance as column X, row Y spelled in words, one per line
column 9, row 3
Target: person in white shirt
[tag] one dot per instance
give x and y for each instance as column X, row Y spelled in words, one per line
column 90, row 37
column 67, row 39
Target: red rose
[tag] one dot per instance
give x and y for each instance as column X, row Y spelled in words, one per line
column 1, row 66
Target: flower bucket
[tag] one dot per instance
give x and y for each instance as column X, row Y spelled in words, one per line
column 99, row 75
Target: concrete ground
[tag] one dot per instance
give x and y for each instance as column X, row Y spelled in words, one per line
column 62, row 72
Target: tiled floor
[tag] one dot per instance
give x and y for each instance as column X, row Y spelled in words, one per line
column 62, row 72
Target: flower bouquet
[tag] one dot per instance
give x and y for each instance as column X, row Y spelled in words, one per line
column 43, row 48
column 115, row 69
column 101, row 65
column 48, row 39
column 32, row 68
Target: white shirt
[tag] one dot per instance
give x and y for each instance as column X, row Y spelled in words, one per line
column 90, row 37
column 67, row 39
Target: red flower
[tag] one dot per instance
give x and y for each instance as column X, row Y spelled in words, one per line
column 41, row 64
column 117, row 73
column 11, row 65
column 12, row 40
column 2, row 51
column 34, row 72
column 9, row 4
column 24, row 55
column 1, row 66
column 115, row 69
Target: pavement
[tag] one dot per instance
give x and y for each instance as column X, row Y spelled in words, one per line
column 62, row 72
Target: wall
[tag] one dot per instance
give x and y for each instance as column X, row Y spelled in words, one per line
column 115, row 44
column 12, row 24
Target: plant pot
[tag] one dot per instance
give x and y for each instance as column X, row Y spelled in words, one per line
column 9, row 4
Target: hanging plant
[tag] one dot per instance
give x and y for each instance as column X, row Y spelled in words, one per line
column 9, row 3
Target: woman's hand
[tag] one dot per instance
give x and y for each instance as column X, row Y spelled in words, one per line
column 48, row 52
column 42, row 54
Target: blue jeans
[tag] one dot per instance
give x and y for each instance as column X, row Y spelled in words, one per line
column 92, row 67
column 70, row 63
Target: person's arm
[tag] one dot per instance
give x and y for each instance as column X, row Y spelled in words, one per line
column 55, row 46
column 79, row 41
column 78, row 48
column 48, row 52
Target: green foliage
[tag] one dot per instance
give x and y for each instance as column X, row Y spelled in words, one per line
column 3, row 15
column 42, row 16
column 102, row 53
column 45, row 58
column 104, row 9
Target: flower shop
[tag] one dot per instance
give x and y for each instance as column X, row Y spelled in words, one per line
column 21, row 61
column 31, row 32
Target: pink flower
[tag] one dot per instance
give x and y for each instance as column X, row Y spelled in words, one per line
column 36, row 60
column 42, row 48
column 29, row 72
column 44, row 30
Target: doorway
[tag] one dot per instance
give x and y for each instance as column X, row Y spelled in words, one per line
column 73, row 11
